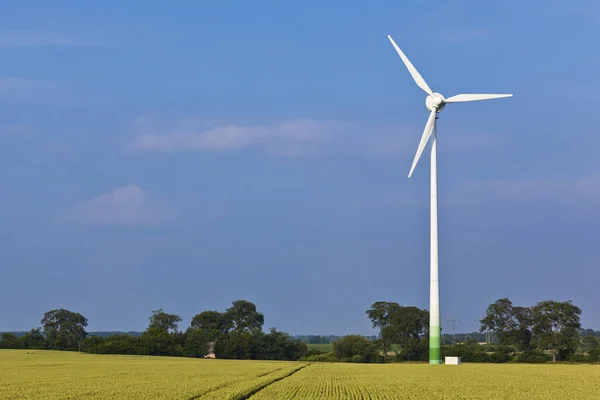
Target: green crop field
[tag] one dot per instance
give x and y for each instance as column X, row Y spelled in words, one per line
column 31, row 374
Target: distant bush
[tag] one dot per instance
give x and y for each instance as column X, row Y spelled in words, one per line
column 357, row 359
column 537, row 359
column 414, row 350
column 594, row 355
column 501, row 349
column 353, row 345
column 498, row 357
column 578, row 358
column 325, row 357
column 467, row 352
column 314, row 352
column 533, row 357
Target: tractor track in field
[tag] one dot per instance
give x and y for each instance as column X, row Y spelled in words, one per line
column 248, row 395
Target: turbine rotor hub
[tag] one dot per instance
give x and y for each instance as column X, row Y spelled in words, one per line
column 436, row 101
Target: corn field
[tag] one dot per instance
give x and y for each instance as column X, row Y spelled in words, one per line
column 60, row 375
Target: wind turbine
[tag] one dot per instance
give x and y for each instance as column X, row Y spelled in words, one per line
column 435, row 103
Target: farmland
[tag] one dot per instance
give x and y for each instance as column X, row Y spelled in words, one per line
column 65, row 375
column 29, row 374
column 411, row 381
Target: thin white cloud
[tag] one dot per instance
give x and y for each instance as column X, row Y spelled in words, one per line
column 31, row 38
column 127, row 205
column 295, row 138
column 288, row 138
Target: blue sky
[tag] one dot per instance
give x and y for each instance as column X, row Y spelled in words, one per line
column 182, row 157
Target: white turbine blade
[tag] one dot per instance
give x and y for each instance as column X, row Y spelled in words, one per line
column 426, row 134
column 459, row 98
column 413, row 71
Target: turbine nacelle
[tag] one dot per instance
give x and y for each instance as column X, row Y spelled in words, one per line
column 435, row 100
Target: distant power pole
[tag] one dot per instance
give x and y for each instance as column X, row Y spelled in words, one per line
column 488, row 334
column 452, row 329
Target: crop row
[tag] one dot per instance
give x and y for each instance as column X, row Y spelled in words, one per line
column 44, row 375
column 422, row 381
column 244, row 389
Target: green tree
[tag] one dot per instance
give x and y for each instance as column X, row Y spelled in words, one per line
column 594, row 355
column 112, row 344
column 242, row 316
column 415, row 350
column 500, row 319
column 317, row 339
column 512, row 325
column 522, row 336
column 237, row 345
column 589, row 343
column 157, row 341
column 556, row 327
column 590, row 332
column 164, row 321
column 9, row 340
column 278, row 346
column 63, row 329
column 33, row 339
column 212, row 323
column 409, row 323
column 196, row 343
column 408, row 326
column 355, row 348
column 405, row 326
column 380, row 314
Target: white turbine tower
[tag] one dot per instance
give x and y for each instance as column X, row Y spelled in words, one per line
column 435, row 103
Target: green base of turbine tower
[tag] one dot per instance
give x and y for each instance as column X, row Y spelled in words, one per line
column 435, row 353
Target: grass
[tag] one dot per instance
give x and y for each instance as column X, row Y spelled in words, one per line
column 27, row 374
column 326, row 347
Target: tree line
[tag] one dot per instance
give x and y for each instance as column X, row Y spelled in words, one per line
column 234, row 333
column 548, row 331
column 549, row 328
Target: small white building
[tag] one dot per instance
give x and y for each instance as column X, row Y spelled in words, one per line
column 452, row 360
